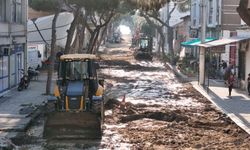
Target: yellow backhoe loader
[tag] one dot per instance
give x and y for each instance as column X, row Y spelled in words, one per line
column 76, row 109
column 143, row 48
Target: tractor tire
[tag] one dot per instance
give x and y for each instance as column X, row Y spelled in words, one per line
column 96, row 106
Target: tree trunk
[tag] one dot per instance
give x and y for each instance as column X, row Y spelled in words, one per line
column 93, row 50
column 170, row 43
column 93, row 39
column 52, row 54
column 81, row 38
column 162, row 36
column 75, row 45
column 162, row 45
column 90, row 44
column 101, row 38
column 71, row 32
column 159, row 47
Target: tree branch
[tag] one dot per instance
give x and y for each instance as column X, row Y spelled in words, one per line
column 93, row 19
column 170, row 12
column 244, row 12
column 157, row 19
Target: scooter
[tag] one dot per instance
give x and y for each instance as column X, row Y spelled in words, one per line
column 24, row 82
column 32, row 73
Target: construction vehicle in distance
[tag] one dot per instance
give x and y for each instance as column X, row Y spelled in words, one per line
column 76, row 110
column 143, row 48
column 117, row 37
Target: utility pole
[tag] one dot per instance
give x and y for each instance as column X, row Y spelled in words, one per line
column 203, row 37
column 26, row 38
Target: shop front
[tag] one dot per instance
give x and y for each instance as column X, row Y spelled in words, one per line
column 11, row 63
column 237, row 55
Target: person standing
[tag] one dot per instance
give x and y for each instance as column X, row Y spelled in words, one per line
column 230, row 84
column 248, row 84
column 223, row 65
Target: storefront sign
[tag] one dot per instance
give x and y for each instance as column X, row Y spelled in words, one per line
column 218, row 49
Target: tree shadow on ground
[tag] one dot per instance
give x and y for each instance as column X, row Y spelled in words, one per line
column 115, row 52
column 127, row 66
column 119, row 79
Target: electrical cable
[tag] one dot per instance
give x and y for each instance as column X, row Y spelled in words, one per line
column 40, row 29
column 41, row 41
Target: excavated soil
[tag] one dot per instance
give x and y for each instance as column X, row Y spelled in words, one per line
column 158, row 112
column 148, row 108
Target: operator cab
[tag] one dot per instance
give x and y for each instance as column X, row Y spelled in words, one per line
column 77, row 81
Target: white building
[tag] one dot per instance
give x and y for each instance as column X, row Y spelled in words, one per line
column 176, row 18
column 13, row 27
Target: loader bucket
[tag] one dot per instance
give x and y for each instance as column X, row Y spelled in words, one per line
column 67, row 125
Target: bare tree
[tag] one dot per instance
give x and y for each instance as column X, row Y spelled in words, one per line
column 55, row 7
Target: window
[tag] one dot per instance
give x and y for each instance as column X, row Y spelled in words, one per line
column 218, row 12
column 194, row 15
column 2, row 10
column 144, row 43
column 73, row 70
column 210, row 9
column 17, row 11
column 6, row 51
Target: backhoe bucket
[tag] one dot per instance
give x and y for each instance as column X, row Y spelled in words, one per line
column 67, row 125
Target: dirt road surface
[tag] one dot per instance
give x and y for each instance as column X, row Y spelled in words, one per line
column 149, row 108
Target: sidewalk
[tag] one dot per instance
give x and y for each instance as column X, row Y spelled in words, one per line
column 16, row 107
column 237, row 107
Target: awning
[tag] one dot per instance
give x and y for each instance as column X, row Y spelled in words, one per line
column 223, row 41
column 195, row 42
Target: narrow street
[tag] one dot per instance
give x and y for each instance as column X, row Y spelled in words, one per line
column 161, row 112
column 148, row 108
column 124, row 74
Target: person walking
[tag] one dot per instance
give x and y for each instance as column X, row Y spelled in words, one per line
column 224, row 66
column 230, row 84
column 248, row 84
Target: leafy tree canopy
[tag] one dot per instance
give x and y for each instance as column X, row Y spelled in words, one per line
column 244, row 11
column 44, row 5
column 147, row 29
column 183, row 5
column 148, row 4
column 96, row 5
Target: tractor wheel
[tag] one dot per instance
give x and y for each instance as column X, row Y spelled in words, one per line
column 96, row 106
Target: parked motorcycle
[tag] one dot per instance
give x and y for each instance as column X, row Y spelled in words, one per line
column 24, row 82
column 32, row 73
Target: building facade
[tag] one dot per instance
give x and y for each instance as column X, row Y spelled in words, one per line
column 222, row 22
column 170, row 10
column 13, row 30
column 181, row 34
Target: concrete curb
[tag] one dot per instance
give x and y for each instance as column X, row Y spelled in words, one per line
column 210, row 96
